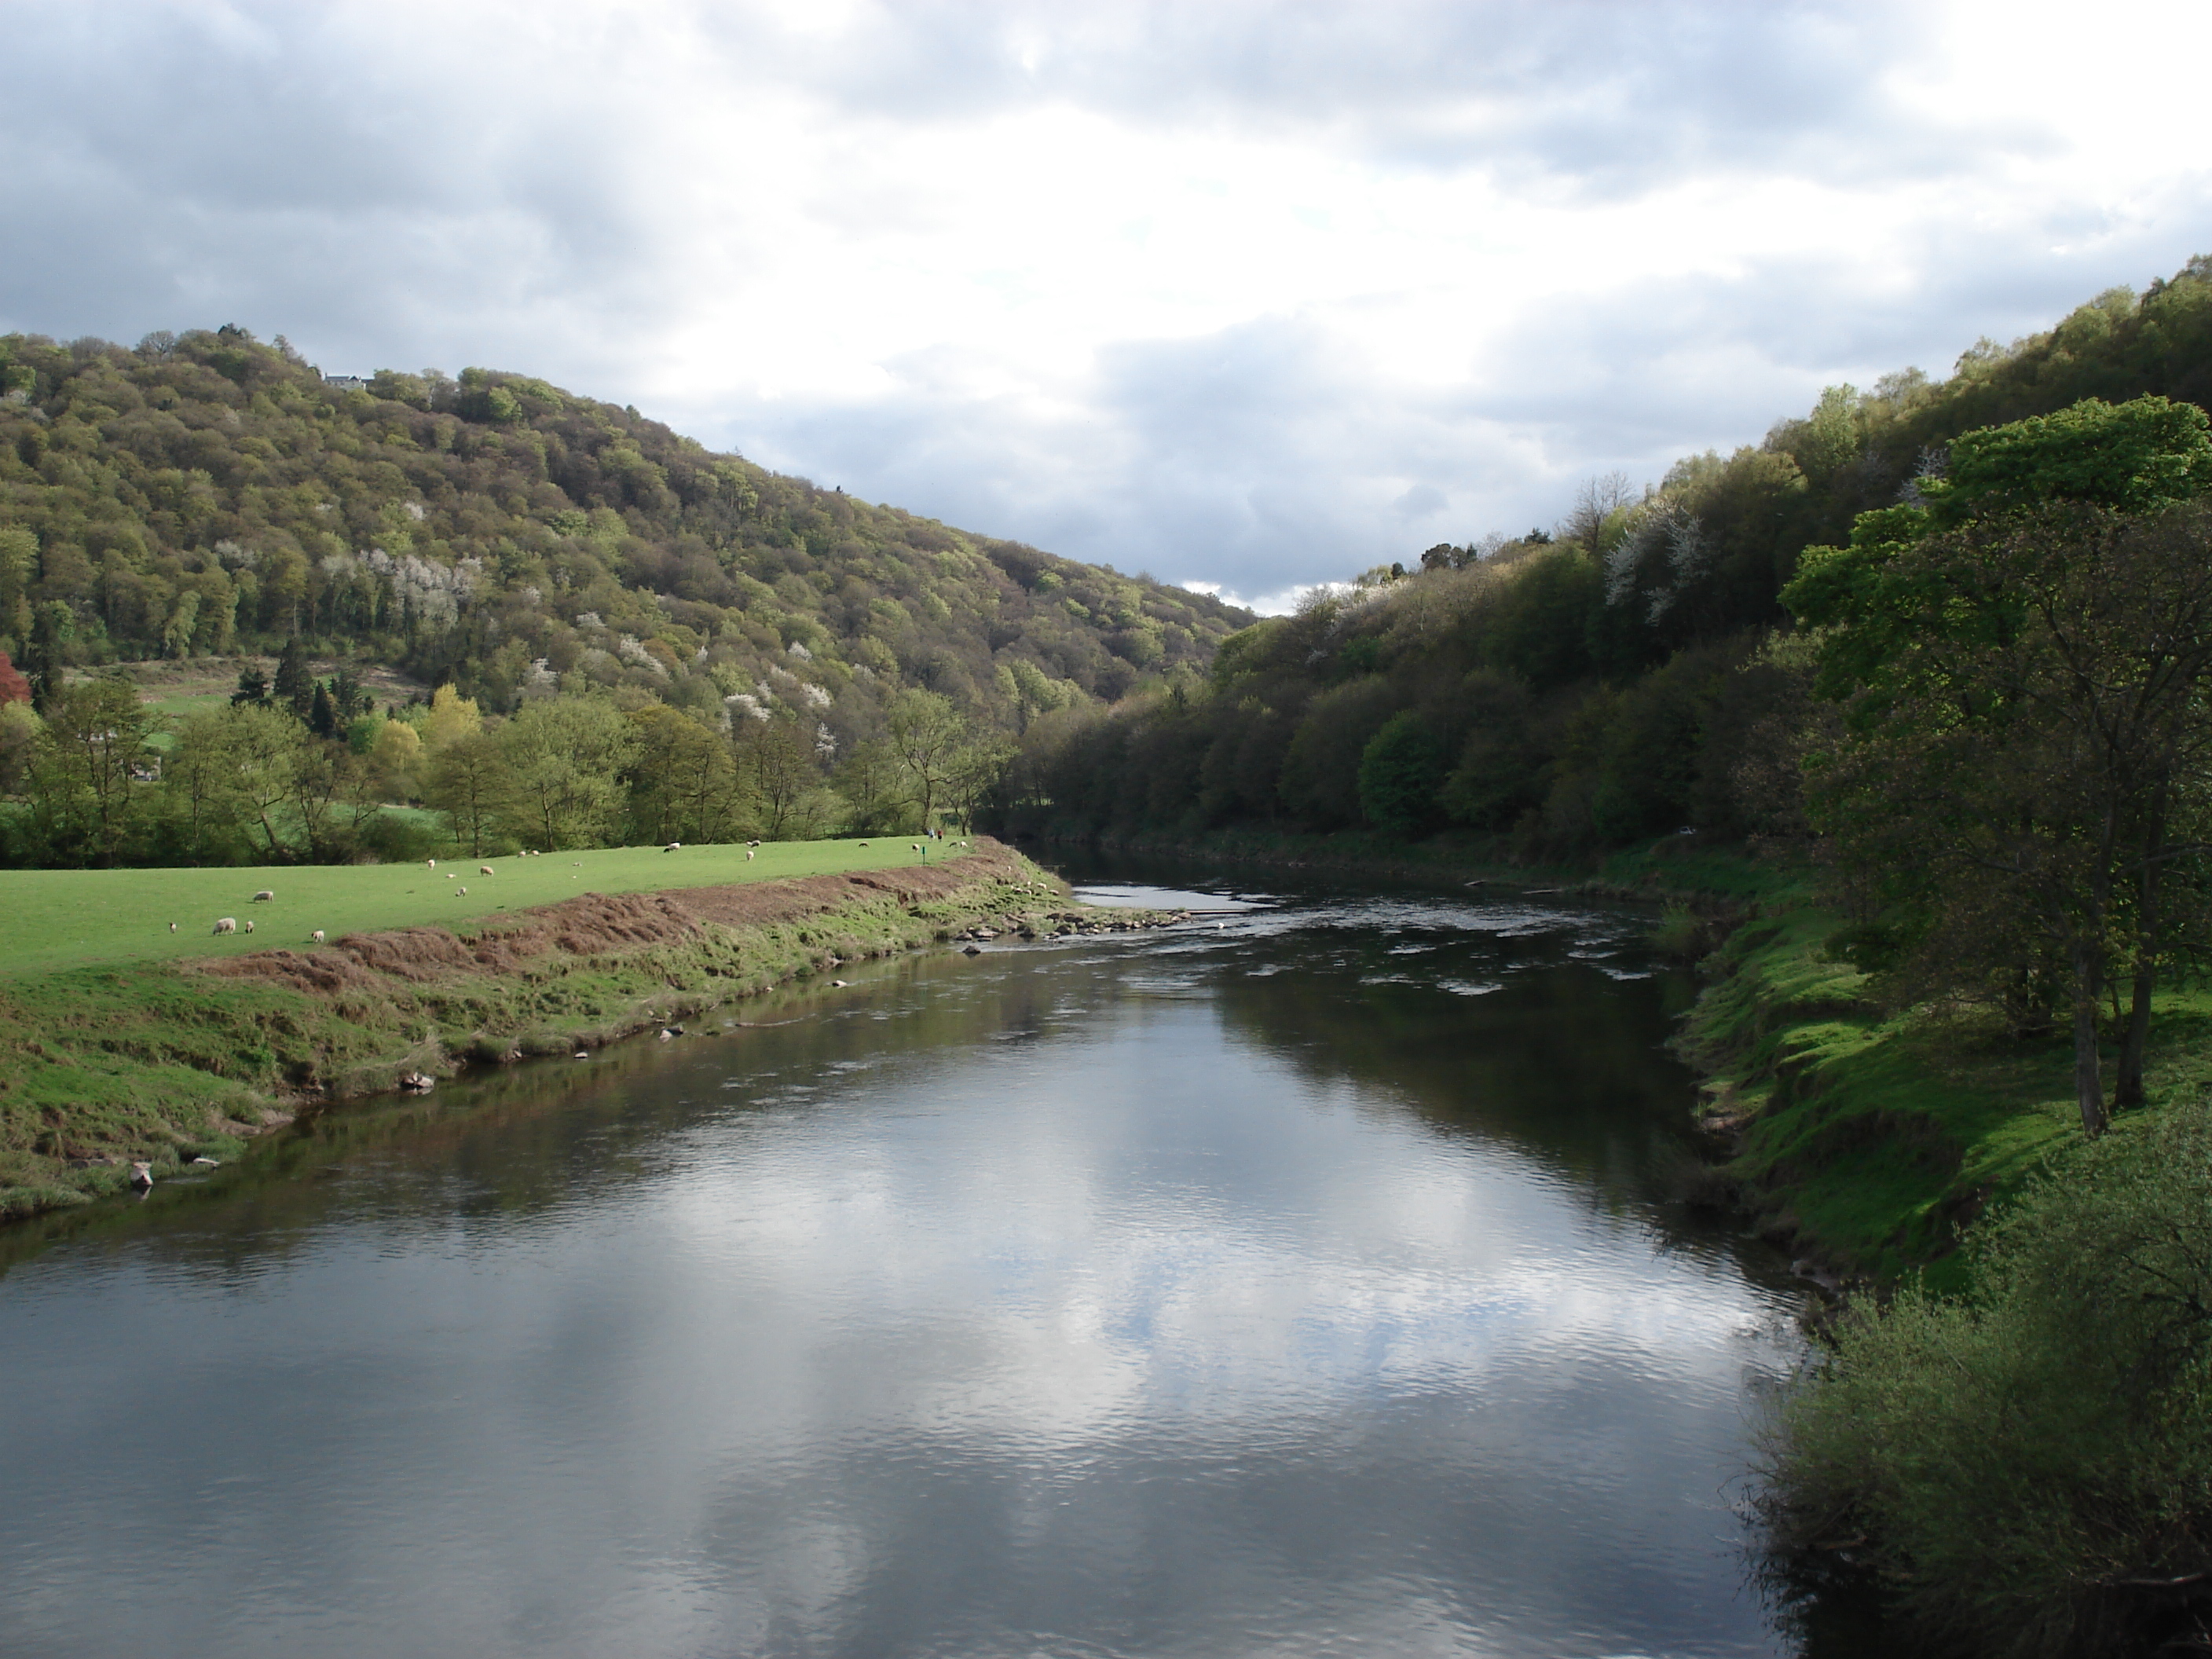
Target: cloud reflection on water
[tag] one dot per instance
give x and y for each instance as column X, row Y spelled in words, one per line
column 1192, row 1323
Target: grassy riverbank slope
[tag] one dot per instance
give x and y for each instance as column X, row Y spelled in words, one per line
column 1870, row 1138
column 137, row 1055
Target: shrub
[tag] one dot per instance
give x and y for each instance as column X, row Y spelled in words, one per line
column 2034, row 1462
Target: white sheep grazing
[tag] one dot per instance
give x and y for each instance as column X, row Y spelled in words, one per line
column 449, row 875
column 173, row 927
column 249, row 927
column 315, row 937
column 749, row 855
column 460, row 892
column 263, row 896
column 432, row 863
column 483, row 869
column 225, row 924
column 671, row 846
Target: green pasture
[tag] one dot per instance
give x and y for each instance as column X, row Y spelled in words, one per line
column 57, row 919
column 175, row 704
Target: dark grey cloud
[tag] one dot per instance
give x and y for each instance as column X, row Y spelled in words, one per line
column 1259, row 458
column 1593, row 95
column 175, row 167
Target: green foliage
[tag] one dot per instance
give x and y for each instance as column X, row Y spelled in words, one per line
column 2034, row 1463
column 556, row 563
column 209, row 495
column 2023, row 762
column 2141, row 456
column 1400, row 773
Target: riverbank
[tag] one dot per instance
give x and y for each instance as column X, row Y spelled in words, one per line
column 163, row 1061
column 1682, row 871
column 1869, row 1138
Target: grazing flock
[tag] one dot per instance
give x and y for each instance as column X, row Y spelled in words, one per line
column 267, row 896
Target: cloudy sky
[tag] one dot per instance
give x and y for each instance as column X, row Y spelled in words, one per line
column 1238, row 293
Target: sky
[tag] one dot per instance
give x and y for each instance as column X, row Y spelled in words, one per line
column 1245, row 296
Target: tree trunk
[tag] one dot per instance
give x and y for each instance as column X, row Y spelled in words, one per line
column 2088, row 1084
column 2128, row 1087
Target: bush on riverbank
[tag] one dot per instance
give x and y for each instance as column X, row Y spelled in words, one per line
column 2032, row 1463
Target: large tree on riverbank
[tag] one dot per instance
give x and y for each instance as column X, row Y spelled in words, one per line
column 2027, row 760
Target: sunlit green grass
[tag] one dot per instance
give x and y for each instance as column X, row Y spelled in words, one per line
column 59, row 918
column 178, row 704
column 1877, row 1134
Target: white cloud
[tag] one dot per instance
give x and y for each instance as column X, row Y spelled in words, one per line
column 1253, row 293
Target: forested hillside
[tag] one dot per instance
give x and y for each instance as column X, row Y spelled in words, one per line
column 209, row 493
column 206, row 495
column 1626, row 673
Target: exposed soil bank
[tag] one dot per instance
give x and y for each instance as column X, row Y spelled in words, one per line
column 100, row 1068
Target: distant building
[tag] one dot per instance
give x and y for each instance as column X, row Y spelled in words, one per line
column 345, row 383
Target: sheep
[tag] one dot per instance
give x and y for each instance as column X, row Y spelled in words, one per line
column 460, row 892
column 449, row 875
column 142, row 1177
column 749, row 855
column 225, row 924
column 432, row 863
column 315, row 937
column 483, row 869
column 263, row 896
column 672, row 847
column 173, row 927
column 248, row 927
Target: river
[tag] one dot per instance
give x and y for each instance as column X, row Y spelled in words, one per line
column 1302, row 1281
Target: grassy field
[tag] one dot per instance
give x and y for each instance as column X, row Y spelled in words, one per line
column 113, row 1050
column 62, row 919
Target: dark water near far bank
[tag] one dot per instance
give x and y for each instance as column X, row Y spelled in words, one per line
column 1303, row 1281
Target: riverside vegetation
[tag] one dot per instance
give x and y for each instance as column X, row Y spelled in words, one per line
column 1909, row 698
column 1929, row 673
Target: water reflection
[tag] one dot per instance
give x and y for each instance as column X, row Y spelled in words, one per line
column 1263, row 1287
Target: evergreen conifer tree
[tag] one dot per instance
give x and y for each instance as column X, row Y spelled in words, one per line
column 294, row 688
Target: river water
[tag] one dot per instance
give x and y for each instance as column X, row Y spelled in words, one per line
column 1302, row 1280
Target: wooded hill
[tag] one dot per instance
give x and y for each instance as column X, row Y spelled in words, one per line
column 205, row 494
column 1618, row 677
